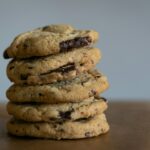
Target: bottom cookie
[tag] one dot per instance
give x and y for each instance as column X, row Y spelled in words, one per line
column 83, row 128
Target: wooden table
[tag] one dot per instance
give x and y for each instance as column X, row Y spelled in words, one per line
column 130, row 130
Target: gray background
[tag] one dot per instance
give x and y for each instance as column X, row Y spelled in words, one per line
column 124, row 27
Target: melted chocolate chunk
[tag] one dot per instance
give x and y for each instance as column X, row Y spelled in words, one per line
column 83, row 119
column 66, row 68
column 75, row 43
column 66, row 115
column 5, row 55
column 62, row 69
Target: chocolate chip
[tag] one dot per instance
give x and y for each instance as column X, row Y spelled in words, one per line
column 97, row 76
column 52, row 119
column 75, row 43
column 16, row 131
column 17, row 46
column 37, row 127
column 30, row 67
column 64, row 46
column 5, row 55
column 40, row 94
column 23, row 77
column 87, row 134
column 11, row 67
column 65, row 115
column 82, row 83
column 83, row 120
column 60, row 122
column 63, row 69
column 104, row 99
column 45, row 28
column 26, row 43
column 94, row 92
column 66, row 68
column 81, row 64
column 25, row 46
column 54, row 125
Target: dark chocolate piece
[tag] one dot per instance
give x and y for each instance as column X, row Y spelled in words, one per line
column 94, row 92
column 75, row 43
column 97, row 76
column 63, row 69
column 30, row 67
column 37, row 127
column 40, row 94
column 66, row 115
column 83, row 119
column 5, row 55
column 52, row 119
column 104, row 99
column 16, row 131
column 25, row 45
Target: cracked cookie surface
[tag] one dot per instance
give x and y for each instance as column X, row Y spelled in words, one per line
column 67, row 130
column 53, row 68
column 48, row 40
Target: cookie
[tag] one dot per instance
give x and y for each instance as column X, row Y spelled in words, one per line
column 57, row 112
column 83, row 86
column 83, row 128
column 48, row 40
column 53, row 68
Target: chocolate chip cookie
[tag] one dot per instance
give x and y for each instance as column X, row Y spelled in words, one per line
column 53, row 68
column 33, row 112
column 83, row 86
column 48, row 40
column 82, row 128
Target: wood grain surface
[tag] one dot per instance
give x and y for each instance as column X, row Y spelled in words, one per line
column 130, row 130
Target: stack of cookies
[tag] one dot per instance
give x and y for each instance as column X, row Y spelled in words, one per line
column 56, row 88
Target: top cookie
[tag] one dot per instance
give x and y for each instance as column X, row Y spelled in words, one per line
column 48, row 40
